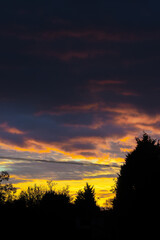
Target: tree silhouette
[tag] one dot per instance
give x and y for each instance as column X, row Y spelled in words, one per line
column 138, row 181
column 56, row 201
column 6, row 190
column 31, row 197
column 86, row 210
column 85, row 199
column 137, row 186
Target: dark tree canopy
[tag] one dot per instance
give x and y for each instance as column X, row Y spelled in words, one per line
column 6, row 189
column 138, row 183
column 85, row 199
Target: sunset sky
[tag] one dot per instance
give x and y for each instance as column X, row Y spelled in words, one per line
column 79, row 81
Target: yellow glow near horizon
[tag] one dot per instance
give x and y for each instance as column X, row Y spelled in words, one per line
column 102, row 187
column 102, row 156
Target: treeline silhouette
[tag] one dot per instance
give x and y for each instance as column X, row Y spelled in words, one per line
column 134, row 213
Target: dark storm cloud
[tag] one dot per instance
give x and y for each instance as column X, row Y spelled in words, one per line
column 63, row 63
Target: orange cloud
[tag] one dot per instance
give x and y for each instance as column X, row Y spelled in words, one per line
column 127, row 115
column 92, row 155
column 9, row 129
column 116, row 86
column 91, row 148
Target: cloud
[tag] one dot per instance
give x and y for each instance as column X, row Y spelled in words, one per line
column 88, row 33
column 66, row 78
column 68, row 55
column 29, row 169
column 76, row 138
column 4, row 126
column 81, row 146
column 69, row 109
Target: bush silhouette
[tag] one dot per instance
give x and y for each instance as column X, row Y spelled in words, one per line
column 56, row 201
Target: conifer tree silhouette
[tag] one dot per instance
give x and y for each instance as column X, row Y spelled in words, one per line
column 137, row 187
column 138, row 181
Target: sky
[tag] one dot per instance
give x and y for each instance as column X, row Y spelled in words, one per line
column 79, row 81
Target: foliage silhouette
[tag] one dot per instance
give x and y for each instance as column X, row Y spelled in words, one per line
column 138, row 180
column 31, row 197
column 6, row 190
column 85, row 205
column 137, row 186
column 85, row 199
column 54, row 201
